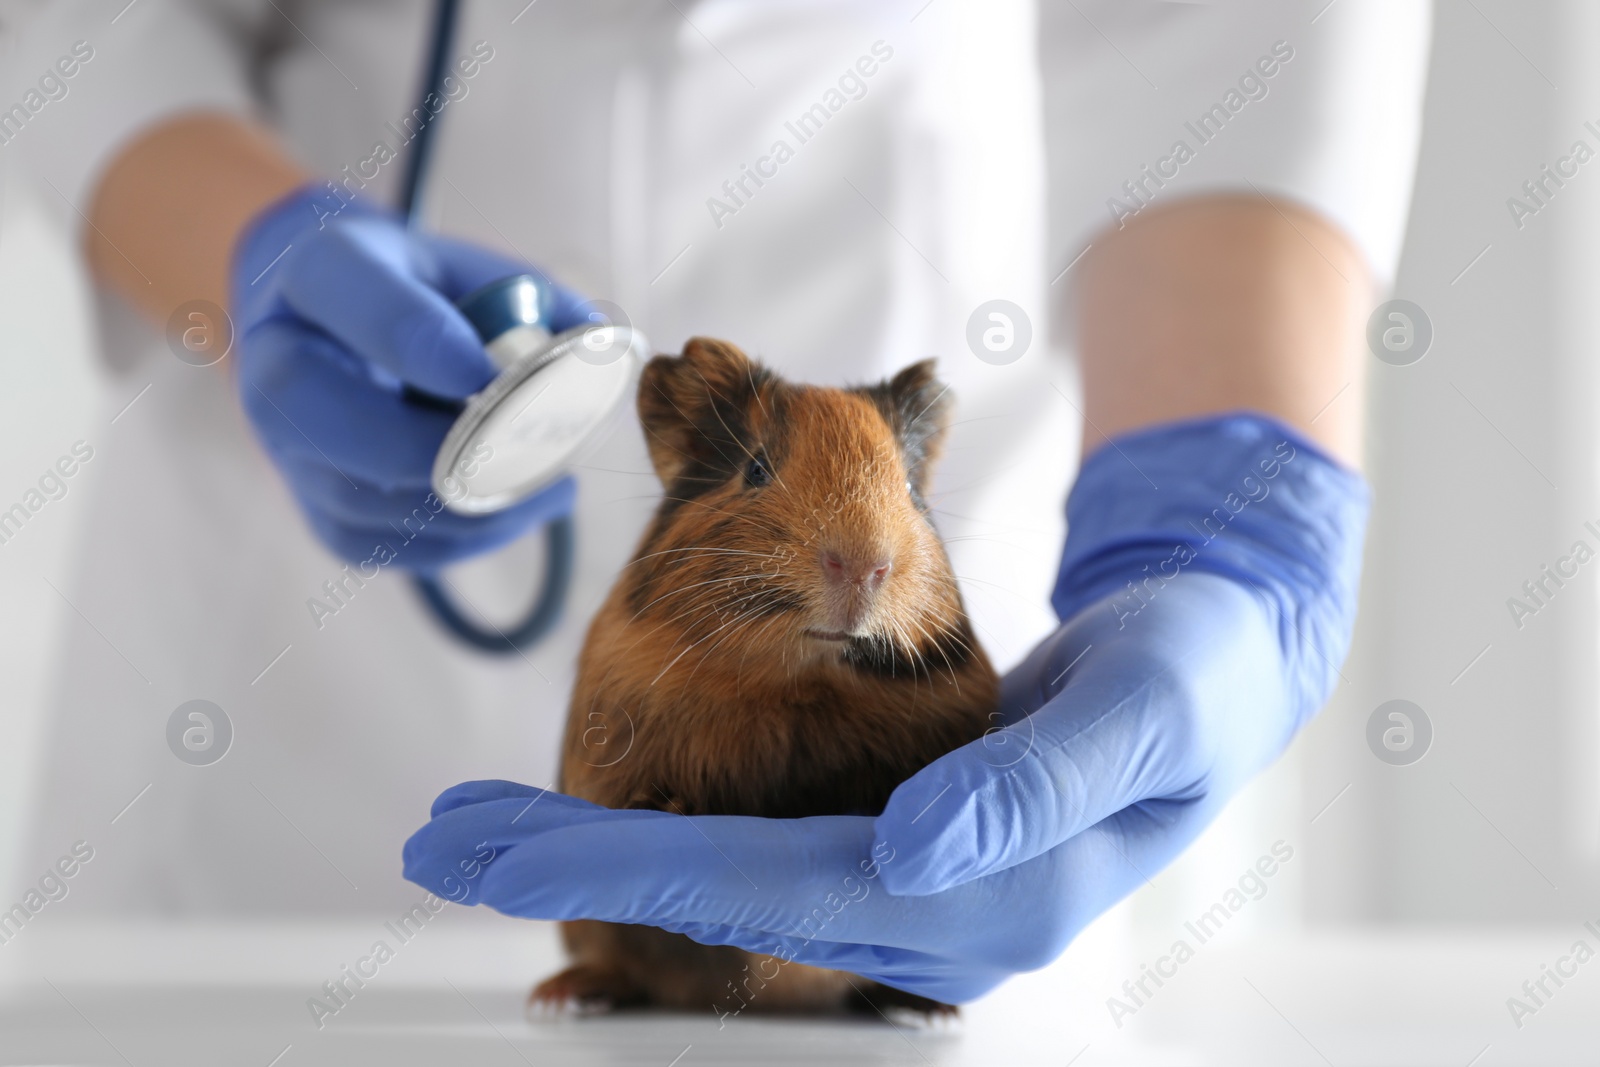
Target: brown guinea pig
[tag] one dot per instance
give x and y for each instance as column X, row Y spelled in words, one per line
column 788, row 641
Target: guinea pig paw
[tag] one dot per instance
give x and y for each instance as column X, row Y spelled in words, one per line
column 911, row 1011
column 944, row 1019
column 574, row 993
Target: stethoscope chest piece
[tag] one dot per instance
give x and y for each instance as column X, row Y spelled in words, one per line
column 553, row 393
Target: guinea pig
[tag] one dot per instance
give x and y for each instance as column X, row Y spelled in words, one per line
column 788, row 641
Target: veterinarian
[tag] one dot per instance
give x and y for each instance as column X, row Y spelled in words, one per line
column 1200, row 206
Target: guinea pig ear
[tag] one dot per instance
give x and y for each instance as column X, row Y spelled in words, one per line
column 694, row 409
column 916, row 405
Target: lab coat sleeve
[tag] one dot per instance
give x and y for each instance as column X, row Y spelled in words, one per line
column 135, row 66
column 1146, row 103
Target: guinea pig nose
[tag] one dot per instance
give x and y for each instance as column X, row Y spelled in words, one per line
column 867, row 571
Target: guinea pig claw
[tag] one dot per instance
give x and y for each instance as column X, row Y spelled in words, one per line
column 946, row 1020
column 576, row 992
column 552, row 1009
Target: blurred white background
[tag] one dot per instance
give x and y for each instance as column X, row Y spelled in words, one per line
column 1483, row 470
column 1482, row 459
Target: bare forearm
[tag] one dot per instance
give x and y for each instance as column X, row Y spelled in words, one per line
column 166, row 213
column 1225, row 303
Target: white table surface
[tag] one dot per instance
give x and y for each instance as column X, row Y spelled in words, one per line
column 172, row 996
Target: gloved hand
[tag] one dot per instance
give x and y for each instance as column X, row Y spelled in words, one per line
column 336, row 311
column 1208, row 590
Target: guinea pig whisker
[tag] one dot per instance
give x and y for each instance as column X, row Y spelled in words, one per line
column 612, row 470
column 767, row 602
column 715, row 410
column 652, row 628
column 952, row 640
column 747, row 624
column 764, row 527
column 939, row 647
column 702, row 610
column 895, row 649
column 726, row 580
column 750, row 646
column 748, row 453
column 692, row 647
column 717, row 606
column 993, row 585
column 632, row 496
column 914, row 653
column 980, row 537
column 695, row 550
column 708, row 550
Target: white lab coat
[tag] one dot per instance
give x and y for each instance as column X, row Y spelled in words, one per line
column 988, row 147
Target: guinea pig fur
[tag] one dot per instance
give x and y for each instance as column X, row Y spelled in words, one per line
column 787, row 641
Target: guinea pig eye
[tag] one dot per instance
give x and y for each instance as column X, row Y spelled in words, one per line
column 756, row 472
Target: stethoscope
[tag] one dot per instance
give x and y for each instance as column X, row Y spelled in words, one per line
column 519, row 434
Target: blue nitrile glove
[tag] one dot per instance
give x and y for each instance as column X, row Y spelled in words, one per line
column 338, row 307
column 1138, row 720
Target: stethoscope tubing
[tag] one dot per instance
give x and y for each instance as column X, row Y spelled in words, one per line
column 546, row 609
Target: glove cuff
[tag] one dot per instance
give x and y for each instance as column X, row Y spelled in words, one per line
column 1239, row 495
